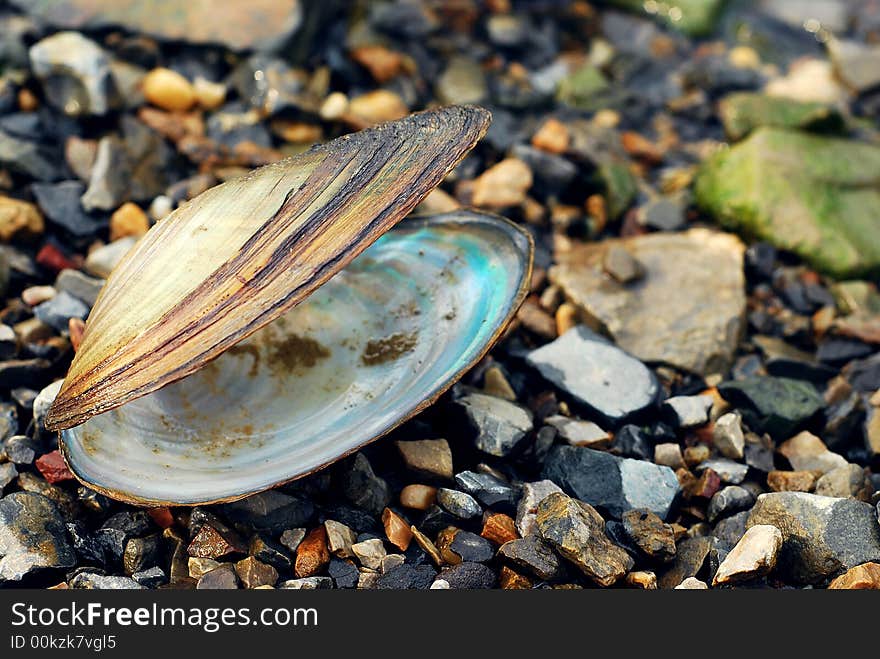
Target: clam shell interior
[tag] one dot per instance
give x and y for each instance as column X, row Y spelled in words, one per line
column 374, row 345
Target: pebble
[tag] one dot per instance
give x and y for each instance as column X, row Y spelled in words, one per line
column 340, row 538
column 791, row 481
column 806, row 452
column 780, row 405
column 552, row 136
column 503, row 185
column 579, row 433
column 60, row 203
column 597, row 374
column 19, row 220
column 460, row 504
column 844, row 482
column 430, row 458
column 211, row 542
column 168, row 90
column 362, row 487
column 727, row 470
column 312, row 554
column 467, row 546
column 630, row 442
column 407, row 577
column 52, row 467
column 690, row 557
column 375, row 107
column 308, row 583
column 141, row 554
column 467, row 576
column 75, row 74
column 729, row 500
column 418, row 497
column 198, row 567
column 727, row 436
column 577, row 532
column 95, row 581
column 499, row 528
column 534, row 556
column 151, row 578
column 32, row 536
column 692, row 583
column 753, row 556
column 609, row 483
column 128, row 220
column 488, row 490
column 860, row 577
column 510, row 580
column 79, row 285
column 532, row 495
column 344, row 573
column 110, row 177
column 101, row 261
column 501, row 426
column 291, row 538
column 222, row 577
column 254, row 573
column 669, row 455
column 650, row 534
column 424, row 542
column 397, row 529
column 369, row 553
column 688, row 411
column 58, row 310
column 334, row 106
column 8, row 473
column 822, row 536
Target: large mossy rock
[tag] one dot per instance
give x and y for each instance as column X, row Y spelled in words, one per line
column 743, row 112
column 818, row 197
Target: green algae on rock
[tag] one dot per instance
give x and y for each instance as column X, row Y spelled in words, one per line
column 692, row 17
column 816, row 196
column 743, row 112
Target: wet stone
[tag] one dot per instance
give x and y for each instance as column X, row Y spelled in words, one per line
column 343, row 573
column 687, row 411
column 57, row 311
column 362, row 487
column 369, row 553
column 427, row 457
column 501, row 426
column 650, row 534
column 95, row 581
column 312, row 554
column 32, row 536
column 753, row 556
column 822, row 536
column 532, row 495
column 468, row 576
column 488, row 490
column 533, row 556
column 151, row 578
column 141, row 554
column 597, row 374
column 407, row 577
column 460, row 504
column 271, row 511
column 220, row 578
column 729, row 500
column 610, row 483
column 577, row 532
column 254, row 573
column 470, row 547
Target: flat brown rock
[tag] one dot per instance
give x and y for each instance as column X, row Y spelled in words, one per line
column 687, row 310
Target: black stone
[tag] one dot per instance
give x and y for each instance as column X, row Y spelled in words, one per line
column 488, row 490
column 780, row 406
column 407, row 577
column 344, row 573
column 271, row 511
column 472, row 547
column 630, row 442
column 469, row 576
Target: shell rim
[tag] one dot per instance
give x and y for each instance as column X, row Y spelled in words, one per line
column 462, row 216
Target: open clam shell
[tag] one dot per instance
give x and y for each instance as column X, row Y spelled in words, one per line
column 244, row 253
column 374, row 345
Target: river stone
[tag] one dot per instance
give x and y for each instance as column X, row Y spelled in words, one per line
column 60, row 203
column 597, row 374
column 753, row 556
column 692, row 17
column 743, row 112
column 58, row 310
column 675, row 314
column 812, row 195
column 532, row 495
column 690, row 556
column 79, row 285
column 577, row 532
column 257, row 24
column 822, row 536
column 32, row 536
column 531, row 554
column 610, row 483
column 779, row 406
column 96, row 581
column 75, row 74
column 29, row 158
column 501, row 426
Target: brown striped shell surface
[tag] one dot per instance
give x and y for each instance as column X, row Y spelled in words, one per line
column 246, row 252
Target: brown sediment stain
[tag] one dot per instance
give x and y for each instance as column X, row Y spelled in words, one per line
column 296, row 352
column 89, row 442
column 248, row 349
column 389, row 348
